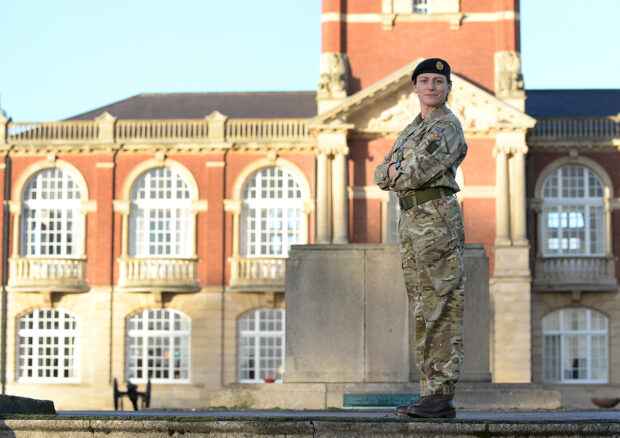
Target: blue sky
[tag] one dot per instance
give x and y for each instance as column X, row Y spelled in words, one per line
column 65, row 57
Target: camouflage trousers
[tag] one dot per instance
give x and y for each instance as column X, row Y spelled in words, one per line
column 432, row 239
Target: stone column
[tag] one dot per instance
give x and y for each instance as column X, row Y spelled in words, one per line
column 332, row 199
column 502, row 205
column 123, row 207
column 234, row 206
column 4, row 122
column 339, row 195
column 519, row 234
column 15, row 207
column 384, row 219
column 511, row 282
column 322, row 198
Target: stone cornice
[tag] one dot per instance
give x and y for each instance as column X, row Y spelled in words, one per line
column 158, row 147
column 566, row 146
column 327, row 17
column 392, row 134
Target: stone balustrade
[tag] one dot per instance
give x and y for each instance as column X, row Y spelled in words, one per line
column 585, row 128
column 52, row 274
column 259, row 129
column 164, row 274
column 177, row 130
column 52, row 131
column 575, row 273
column 258, row 273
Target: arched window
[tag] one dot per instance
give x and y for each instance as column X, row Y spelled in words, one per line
column 158, row 346
column 261, row 346
column 575, row 346
column 573, row 213
column 51, row 219
column 47, row 349
column 272, row 215
column 160, row 218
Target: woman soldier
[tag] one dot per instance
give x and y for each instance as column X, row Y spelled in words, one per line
column 421, row 169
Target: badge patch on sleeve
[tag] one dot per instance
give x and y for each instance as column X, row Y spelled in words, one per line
column 433, row 139
column 431, row 147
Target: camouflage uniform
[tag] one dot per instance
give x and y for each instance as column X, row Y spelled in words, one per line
column 432, row 238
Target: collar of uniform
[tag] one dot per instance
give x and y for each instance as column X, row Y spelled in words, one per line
column 436, row 113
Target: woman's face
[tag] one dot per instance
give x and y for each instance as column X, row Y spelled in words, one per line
column 432, row 89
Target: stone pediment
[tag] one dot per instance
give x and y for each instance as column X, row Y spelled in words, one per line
column 387, row 106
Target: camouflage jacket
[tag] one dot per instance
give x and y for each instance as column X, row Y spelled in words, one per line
column 429, row 150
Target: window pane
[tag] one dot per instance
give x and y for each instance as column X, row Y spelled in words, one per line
column 575, row 357
column 421, row 6
column 575, row 342
column 49, row 221
column 261, row 345
column 552, row 357
column 47, row 341
column 160, row 216
column 158, row 345
column 573, row 216
column 272, row 214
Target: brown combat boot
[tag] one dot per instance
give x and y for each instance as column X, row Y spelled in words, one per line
column 404, row 410
column 433, row 406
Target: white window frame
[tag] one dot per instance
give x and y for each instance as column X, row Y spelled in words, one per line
column 557, row 340
column 253, row 234
column 252, row 362
column 166, row 219
column 426, row 7
column 421, row 6
column 565, row 207
column 49, row 198
column 138, row 330
column 43, row 338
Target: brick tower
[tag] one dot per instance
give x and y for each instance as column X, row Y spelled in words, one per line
column 369, row 49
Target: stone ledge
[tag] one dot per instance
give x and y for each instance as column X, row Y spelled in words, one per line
column 301, row 427
column 11, row 404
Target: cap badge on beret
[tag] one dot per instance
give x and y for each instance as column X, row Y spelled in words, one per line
column 432, row 65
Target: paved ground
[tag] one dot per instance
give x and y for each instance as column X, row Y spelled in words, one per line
column 601, row 415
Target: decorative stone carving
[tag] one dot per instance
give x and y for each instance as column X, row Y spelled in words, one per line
column 399, row 115
column 508, row 76
column 4, row 120
column 106, row 123
column 389, row 105
column 478, row 111
column 333, row 79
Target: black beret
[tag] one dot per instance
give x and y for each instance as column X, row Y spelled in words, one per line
column 432, row 65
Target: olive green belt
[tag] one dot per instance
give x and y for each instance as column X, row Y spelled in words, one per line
column 421, row 196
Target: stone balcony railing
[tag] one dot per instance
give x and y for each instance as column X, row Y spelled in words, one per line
column 30, row 274
column 158, row 274
column 575, row 273
column 590, row 132
column 258, row 274
column 110, row 130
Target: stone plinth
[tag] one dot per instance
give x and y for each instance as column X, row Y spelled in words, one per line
column 347, row 315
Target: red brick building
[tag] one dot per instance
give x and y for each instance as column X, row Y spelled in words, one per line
column 149, row 237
